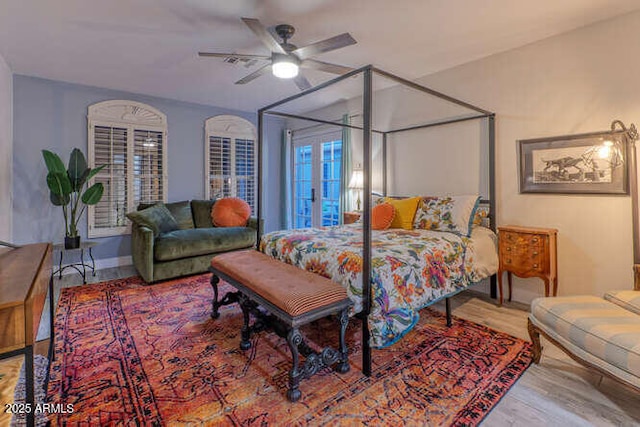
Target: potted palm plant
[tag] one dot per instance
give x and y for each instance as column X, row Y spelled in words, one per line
column 66, row 189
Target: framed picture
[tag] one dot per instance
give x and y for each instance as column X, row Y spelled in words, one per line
column 590, row 163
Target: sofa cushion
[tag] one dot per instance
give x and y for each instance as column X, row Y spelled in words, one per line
column 201, row 241
column 156, row 217
column 201, row 210
column 593, row 328
column 629, row 300
column 230, row 212
column 181, row 211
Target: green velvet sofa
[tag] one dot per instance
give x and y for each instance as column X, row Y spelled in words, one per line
column 179, row 239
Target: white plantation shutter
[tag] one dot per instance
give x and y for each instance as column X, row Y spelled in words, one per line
column 130, row 138
column 245, row 170
column 230, row 159
column 148, row 168
column 219, row 167
column 110, row 148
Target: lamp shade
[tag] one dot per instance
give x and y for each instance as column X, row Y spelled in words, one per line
column 284, row 66
column 357, row 180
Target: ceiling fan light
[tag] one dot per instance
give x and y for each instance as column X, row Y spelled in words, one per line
column 285, row 68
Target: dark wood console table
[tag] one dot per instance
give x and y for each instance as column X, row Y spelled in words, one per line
column 25, row 277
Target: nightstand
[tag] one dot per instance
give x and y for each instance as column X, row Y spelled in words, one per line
column 528, row 252
column 350, row 217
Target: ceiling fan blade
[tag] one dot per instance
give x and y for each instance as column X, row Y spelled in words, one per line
column 327, row 45
column 236, row 55
column 264, row 36
column 326, row 67
column 302, row 82
column 260, row 71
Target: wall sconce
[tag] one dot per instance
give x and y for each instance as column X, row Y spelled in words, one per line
column 357, row 183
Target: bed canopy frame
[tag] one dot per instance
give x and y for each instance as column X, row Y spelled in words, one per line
column 367, row 73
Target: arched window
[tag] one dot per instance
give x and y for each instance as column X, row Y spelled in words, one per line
column 230, row 158
column 131, row 139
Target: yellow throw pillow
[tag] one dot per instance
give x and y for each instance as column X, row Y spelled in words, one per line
column 405, row 211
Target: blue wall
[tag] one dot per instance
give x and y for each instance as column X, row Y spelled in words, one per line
column 53, row 115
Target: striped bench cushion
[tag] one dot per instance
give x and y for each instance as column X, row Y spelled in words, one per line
column 599, row 331
column 629, row 300
column 290, row 288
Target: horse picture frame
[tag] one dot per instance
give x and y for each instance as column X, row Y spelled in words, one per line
column 588, row 163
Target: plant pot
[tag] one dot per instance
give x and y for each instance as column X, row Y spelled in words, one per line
column 71, row 242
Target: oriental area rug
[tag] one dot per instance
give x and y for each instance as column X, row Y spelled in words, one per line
column 129, row 354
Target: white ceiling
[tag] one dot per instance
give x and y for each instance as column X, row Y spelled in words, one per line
column 150, row 46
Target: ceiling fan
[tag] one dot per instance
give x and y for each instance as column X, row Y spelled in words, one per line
column 286, row 58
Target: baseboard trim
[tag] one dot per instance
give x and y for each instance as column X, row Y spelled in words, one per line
column 114, row 262
column 102, row 263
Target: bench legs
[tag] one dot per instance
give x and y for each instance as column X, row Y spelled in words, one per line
column 343, row 366
column 534, row 334
column 229, row 298
column 214, row 305
column 284, row 327
column 313, row 361
column 294, row 339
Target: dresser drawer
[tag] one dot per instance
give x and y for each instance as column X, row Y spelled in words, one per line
column 524, row 263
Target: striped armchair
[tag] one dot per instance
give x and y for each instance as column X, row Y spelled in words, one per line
column 601, row 333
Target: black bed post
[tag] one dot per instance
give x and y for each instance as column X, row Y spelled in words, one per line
column 366, row 221
column 385, row 190
column 492, row 191
column 259, row 173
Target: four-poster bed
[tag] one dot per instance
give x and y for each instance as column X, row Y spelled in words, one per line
column 457, row 248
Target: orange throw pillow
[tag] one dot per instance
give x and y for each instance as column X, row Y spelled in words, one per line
column 382, row 216
column 230, row 212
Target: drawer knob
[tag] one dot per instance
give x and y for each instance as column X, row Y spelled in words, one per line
column 534, row 240
column 535, row 252
column 535, row 265
column 509, row 261
column 508, row 248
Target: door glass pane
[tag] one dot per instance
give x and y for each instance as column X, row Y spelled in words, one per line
column 302, row 187
column 331, row 166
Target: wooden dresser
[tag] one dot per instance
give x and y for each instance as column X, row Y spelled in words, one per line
column 25, row 278
column 528, row 252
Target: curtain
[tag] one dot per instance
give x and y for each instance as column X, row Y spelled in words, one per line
column 286, row 181
column 347, row 168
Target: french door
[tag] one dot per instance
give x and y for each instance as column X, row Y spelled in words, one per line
column 317, row 166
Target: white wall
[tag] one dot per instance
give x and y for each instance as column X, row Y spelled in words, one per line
column 573, row 83
column 6, row 150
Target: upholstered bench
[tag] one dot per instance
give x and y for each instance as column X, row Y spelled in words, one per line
column 596, row 332
column 282, row 297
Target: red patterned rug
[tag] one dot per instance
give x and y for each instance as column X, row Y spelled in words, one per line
column 129, row 354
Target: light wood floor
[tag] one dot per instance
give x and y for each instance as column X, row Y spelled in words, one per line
column 557, row 392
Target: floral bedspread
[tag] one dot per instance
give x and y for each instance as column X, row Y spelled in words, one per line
column 410, row 269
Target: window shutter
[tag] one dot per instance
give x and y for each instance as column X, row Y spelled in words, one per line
column 148, row 169
column 130, row 138
column 230, row 158
column 245, row 170
column 219, row 167
column 110, row 149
